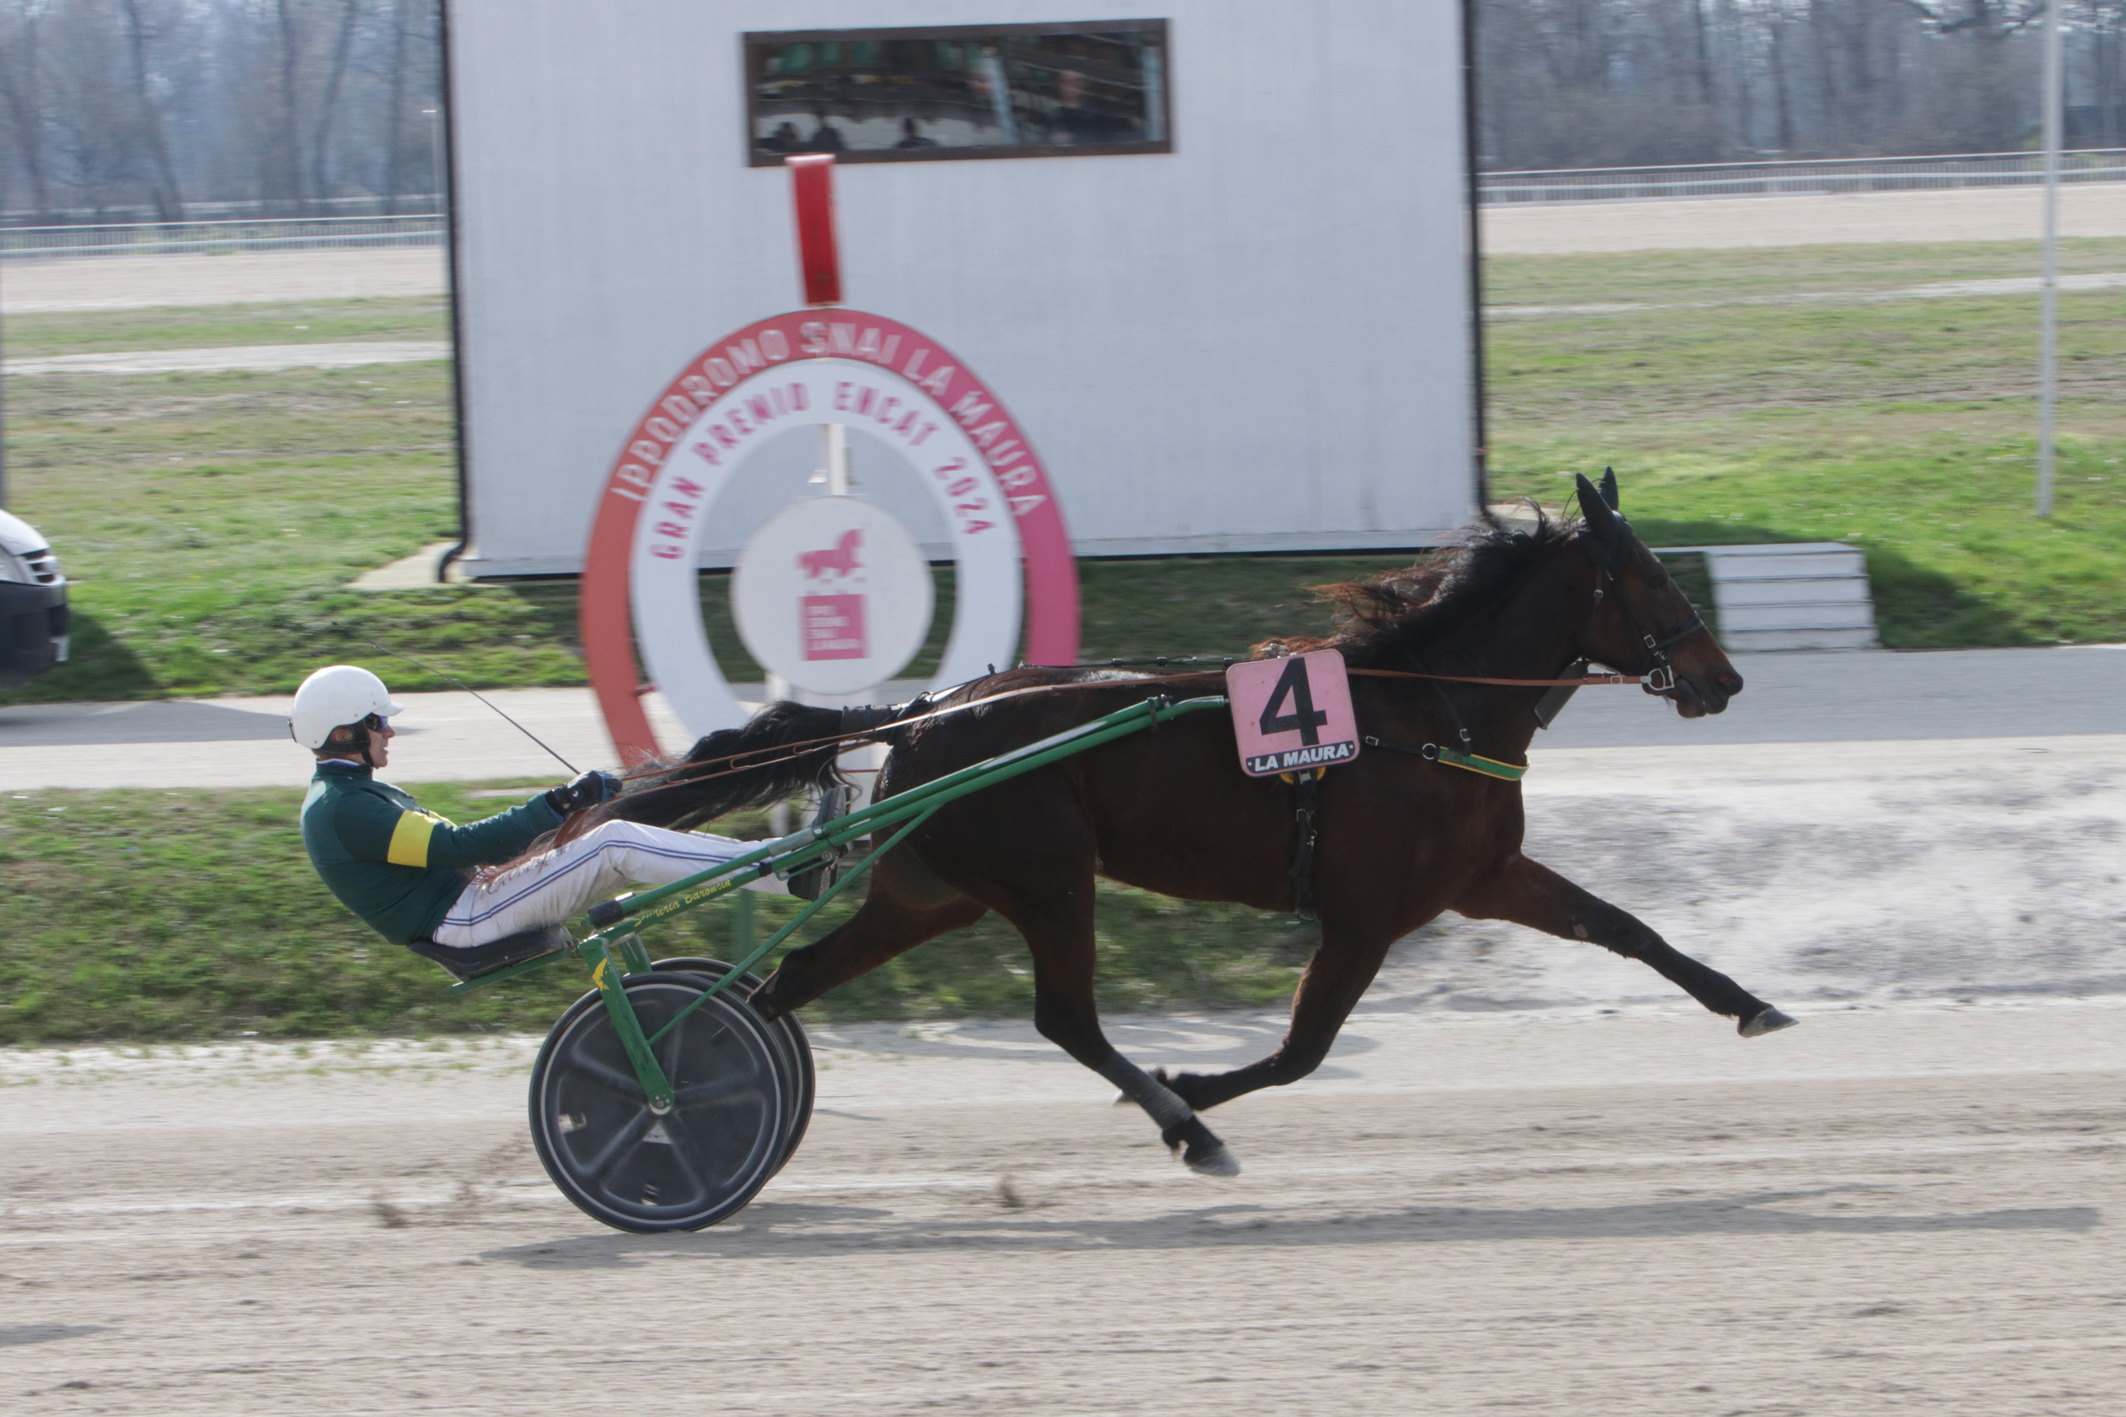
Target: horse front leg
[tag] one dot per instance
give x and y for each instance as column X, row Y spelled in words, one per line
column 1528, row 893
column 1058, row 928
column 1336, row 978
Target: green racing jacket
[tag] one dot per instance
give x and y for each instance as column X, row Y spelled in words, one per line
column 391, row 863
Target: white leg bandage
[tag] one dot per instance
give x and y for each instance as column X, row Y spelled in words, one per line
column 550, row 888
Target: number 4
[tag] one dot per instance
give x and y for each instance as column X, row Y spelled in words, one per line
column 1304, row 716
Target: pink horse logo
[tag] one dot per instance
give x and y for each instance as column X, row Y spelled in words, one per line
column 840, row 558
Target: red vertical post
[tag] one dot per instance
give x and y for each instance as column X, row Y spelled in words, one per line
column 818, row 259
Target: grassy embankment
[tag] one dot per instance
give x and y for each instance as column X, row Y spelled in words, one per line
column 212, row 521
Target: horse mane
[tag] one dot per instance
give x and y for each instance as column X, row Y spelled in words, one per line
column 1393, row 616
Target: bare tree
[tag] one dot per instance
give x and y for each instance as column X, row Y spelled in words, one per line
column 160, row 105
column 21, row 87
column 395, row 108
column 329, row 101
column 169, row 197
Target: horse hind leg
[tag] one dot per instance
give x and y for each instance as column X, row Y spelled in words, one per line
column 882, row 928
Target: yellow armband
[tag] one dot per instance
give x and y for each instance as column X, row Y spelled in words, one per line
column 409, row 839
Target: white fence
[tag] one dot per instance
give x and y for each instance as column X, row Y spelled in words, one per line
column 179, row 238
column 1584, row 184
column 1751, row 179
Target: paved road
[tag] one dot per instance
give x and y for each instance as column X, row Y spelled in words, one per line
column 1883, row 1212
column 348, row 355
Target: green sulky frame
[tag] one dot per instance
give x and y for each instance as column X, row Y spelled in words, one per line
column 614, row 950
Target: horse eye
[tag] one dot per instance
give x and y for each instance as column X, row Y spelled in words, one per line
column 1657, row 577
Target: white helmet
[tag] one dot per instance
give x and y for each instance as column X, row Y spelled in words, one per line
column 335, row 695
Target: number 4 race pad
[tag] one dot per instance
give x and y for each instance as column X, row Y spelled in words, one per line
column 1292, row 714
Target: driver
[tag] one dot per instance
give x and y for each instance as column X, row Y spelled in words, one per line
column 409, row 874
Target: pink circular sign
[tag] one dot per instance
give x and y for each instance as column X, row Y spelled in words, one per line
column 885, row 378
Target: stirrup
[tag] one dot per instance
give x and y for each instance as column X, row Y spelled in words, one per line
column 808, row 883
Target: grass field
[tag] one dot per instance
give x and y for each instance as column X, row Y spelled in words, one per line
column 1905, row 426
column 179, row 915
column 211, row 521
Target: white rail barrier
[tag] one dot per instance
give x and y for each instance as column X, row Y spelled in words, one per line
column 178, row 238
column 1750, row 179
column 1587, row 184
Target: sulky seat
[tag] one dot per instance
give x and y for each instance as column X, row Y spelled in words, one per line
column 473, row 961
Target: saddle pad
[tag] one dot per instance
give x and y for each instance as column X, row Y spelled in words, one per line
column 1292, row 714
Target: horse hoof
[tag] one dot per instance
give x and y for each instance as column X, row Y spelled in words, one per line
column 1216, row 1160
column 1200, row 1148
column 1770, row 1021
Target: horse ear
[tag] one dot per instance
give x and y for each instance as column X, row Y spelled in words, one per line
column 1601, row 519
column 1609, row 488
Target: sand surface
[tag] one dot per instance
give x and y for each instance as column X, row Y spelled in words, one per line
column 1635, row 1213
column 239, row 278
column 1713, row 223
column 1547, row 229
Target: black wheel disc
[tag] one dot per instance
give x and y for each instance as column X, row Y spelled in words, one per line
column 631, row 1168
column 800, row 1078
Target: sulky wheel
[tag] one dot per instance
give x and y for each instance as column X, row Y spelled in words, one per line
column 800, row 1079
column 625, row 1165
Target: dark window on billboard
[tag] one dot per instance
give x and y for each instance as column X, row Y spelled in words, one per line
column 902, row 95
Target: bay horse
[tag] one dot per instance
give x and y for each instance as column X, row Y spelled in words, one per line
column 1402, row 836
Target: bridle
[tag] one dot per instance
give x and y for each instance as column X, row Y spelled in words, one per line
column 1660, row 676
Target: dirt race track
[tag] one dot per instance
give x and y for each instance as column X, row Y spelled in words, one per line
column 1896, row 1210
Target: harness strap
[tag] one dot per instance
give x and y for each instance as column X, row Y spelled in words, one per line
column 1578, row 682
column 1306, row 808
column 1467, row 762
column 901, row 717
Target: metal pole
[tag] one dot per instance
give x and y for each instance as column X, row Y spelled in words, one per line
column 2048, row 367
column 834, row 450
column 442, row 192
column 3, row 434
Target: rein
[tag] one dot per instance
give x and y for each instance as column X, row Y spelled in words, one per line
column 1579, row 683
column 733, row 764
column 1659, row 679
column 792, row 751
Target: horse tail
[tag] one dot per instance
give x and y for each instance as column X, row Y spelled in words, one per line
column 732, row 769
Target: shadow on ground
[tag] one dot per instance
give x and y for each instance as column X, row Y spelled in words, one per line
column 98, row 667
column 768, row 1228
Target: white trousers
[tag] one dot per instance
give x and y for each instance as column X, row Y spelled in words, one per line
column 568, row 880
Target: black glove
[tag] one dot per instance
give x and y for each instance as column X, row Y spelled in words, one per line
column 586, row 791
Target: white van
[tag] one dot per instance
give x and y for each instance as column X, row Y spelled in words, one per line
column 33, row 615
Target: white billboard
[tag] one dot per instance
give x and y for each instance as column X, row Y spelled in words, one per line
column 1248, row 328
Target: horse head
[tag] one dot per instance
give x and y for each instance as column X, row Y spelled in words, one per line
column 1643, row 624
